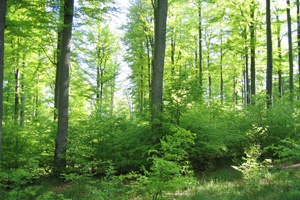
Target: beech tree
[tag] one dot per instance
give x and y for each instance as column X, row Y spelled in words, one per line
column 200, row 43
column 160, row 23
column 291, row 66
column 269, row 54
column 252, row 48
column 58, row 52
column 2, row 28
column 298, row 44
column 63, row 79
column 279, row 50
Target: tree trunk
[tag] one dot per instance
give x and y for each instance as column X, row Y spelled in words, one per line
column 36, row 98
column 2, row 27
column 58, row 52
column 22, row 97
column 291, row 75
column 246, row 73
column 160, row 21
column 279, row 71
column 64, row 65
column 221, row 73
column 142, row 98
column 208, row 68
column 269, row 54
column 98, row 85
column 200, row 43
column 252, row 52
column 298, row 42
column 235, row 89
column 149, row 46
column 112, row 96
column 17, row 93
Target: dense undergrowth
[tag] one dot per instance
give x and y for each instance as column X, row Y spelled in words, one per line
column 218, row 184
column 216, row 153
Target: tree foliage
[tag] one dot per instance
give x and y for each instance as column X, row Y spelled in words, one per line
column 217, row 108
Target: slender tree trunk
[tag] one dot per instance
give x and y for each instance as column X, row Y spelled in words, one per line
column 141, row 106
column 269, row 54
column 17, row 93
column 252, row 52
column 160, row 21
column 112, row 96
column 291, row 75
column 298, row 42
column 36, row 98
column 101, row 90
column 149, row 62
column 221, row 73
column 200, row 43
column 63, row 107
column 98, row 85
column 208, row 66
column 234, row 89
column 173, row 48
column 2, row 27
column 279, row 71
column 22, row 98
column 246, row 73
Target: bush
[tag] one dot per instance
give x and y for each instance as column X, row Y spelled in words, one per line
column 254, row 170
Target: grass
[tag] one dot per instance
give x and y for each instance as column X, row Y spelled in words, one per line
column 223, row 184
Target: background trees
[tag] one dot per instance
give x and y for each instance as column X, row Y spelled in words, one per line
column 212, row 66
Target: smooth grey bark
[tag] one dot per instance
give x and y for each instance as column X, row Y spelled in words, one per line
column 291, row 74
column 298, row 42
column 58, row 52
column 2, row 28
column 160, row 23
column 63, row 80
column 252, row 51
column 269, row 54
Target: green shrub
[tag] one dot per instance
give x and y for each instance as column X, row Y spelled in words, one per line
column 288, row 150
column 254, row 170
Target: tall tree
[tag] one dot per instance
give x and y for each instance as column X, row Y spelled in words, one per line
column 269, row 54
column 200, row 43
column 58, row 52
column 63, row 79
column 252, row 49
column 291, row 74
column 246, row 71
column 160, row 23
column 298, row 42
column 2, row 27
column 279, row 49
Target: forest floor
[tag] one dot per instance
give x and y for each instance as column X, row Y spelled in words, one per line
column 221, row 184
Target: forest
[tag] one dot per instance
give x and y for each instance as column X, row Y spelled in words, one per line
column 149, row 99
